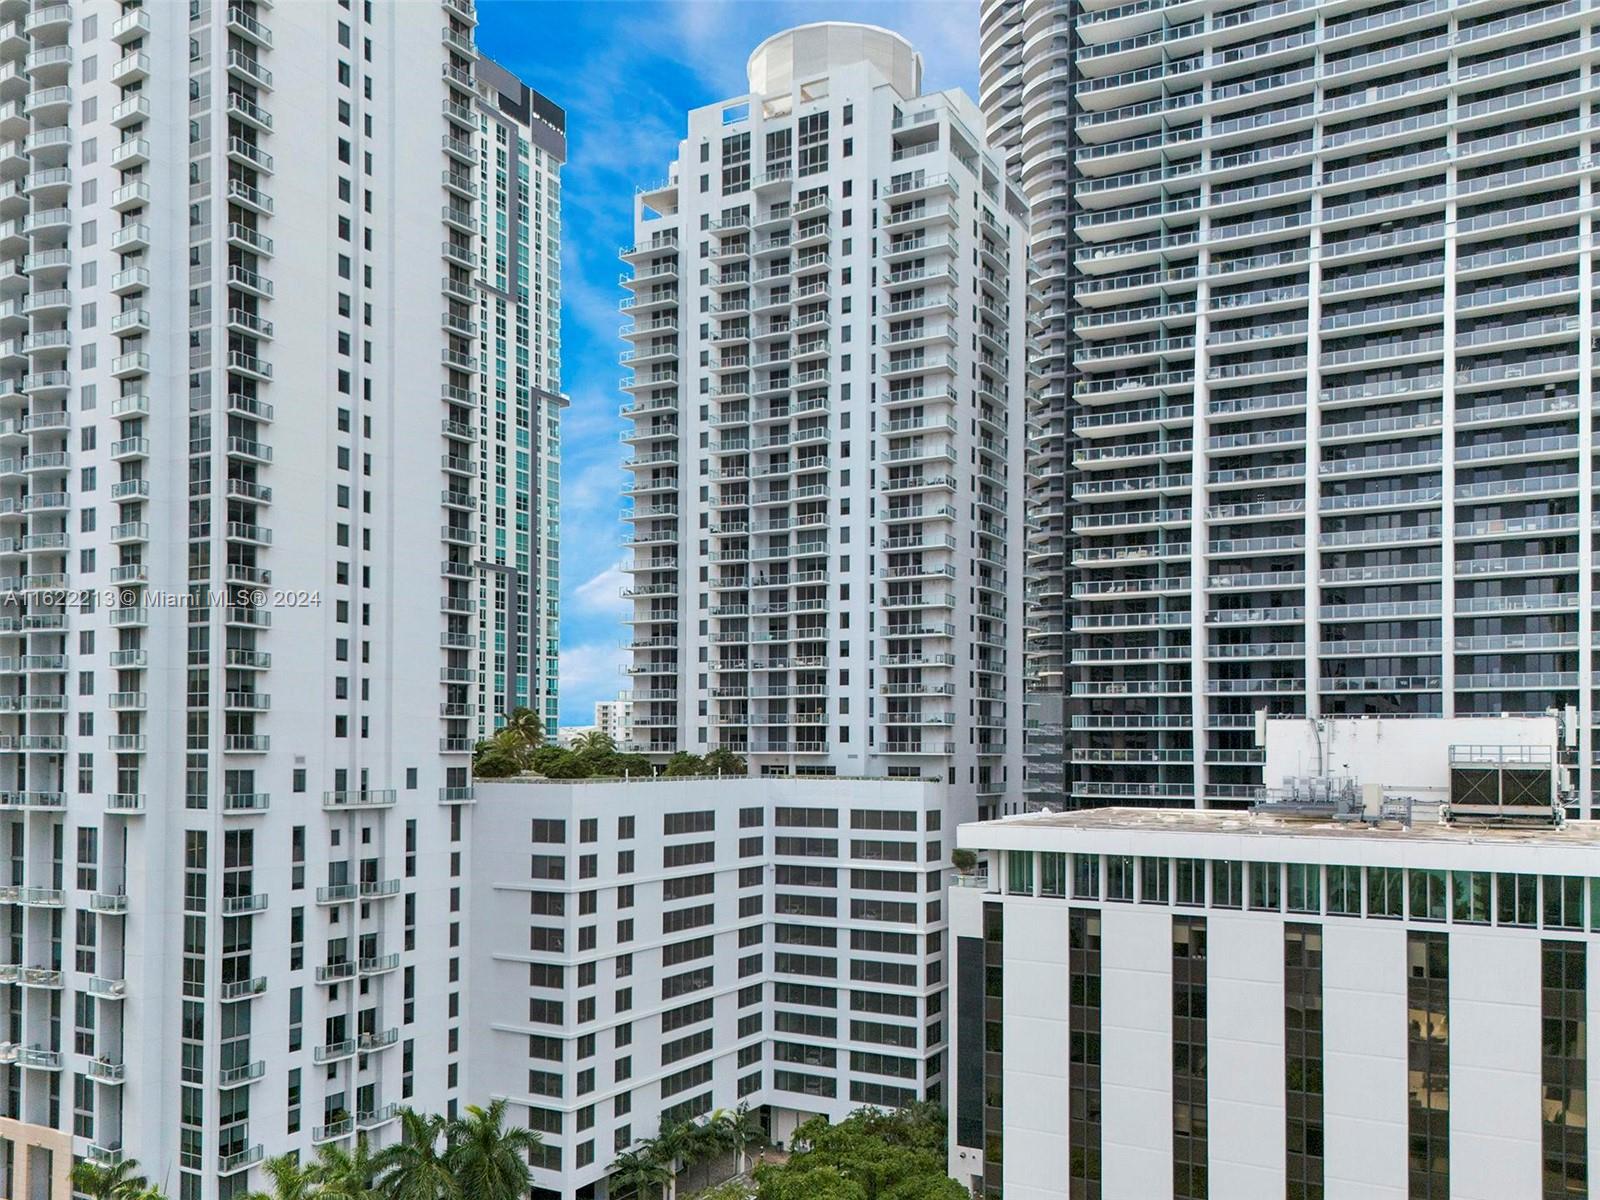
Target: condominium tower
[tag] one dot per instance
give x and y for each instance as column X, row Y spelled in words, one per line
column 240, row 402
column 1334, row 374
column 1025, row 87
column 522, row 144
column 828, row 309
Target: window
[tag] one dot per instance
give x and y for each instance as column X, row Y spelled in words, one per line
column 1153, row 881
column 1191, row 873
column 1428, row 1055
column 1344, row 891
column 1052, row 874
column 1427, row 895
column 813, row 143
column 1516, row 899
column 1469, row 897
column 1227, row 884
column 1563, row 902
column 1119, row 877
column 1303, row 1068
column 1264, row 887
column 1085, row 876
column 1564, row 1057
column 1305, row 887
column 1385, row 892
column 1019, row 872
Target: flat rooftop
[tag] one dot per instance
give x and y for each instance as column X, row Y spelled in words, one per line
column 1181, row 820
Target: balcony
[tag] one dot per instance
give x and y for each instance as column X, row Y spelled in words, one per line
column 379, row 798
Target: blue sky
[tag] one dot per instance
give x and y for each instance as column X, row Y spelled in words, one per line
column 627, row 71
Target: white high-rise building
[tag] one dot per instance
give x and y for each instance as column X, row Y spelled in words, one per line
column 828, row 298
column 648, row 952
column 522, row 145
column 239, row 400
column 1219, row 1004
column 1334, row 387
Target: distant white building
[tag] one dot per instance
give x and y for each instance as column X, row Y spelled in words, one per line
column 656, row 950
column 614, row 718
column 1178, row 1003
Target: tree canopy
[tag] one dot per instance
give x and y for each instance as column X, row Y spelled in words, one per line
column 870, row 1155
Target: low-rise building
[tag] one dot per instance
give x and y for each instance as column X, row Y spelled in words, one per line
column 1188, row 1003
column 650, row 951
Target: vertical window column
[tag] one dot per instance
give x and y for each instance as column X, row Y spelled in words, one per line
column 1302, row 1047
column 993, row 1049
column 1564, row 1070
column 1189, row 1151
column 1083, row 1094
column 1428, row 1064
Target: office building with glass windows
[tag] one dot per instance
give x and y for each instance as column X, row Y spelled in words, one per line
column 1331, row 377
column 1202, row 1004
column 828, row 313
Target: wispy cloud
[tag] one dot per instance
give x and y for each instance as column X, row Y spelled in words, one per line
column 603, row 592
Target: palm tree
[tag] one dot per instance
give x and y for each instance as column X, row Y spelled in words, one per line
column 343, row 1174
column 290, row 1181
column 146, row 1191
column 488, row 1160
column 742, row 1130
column 526, row 726
column 594, row 742
column 711, row 1143
column 635, row 1170
column 414, row 1168
column 102, row 1181
column 672, row 1147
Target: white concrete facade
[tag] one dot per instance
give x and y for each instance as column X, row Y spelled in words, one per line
column 828, row 297
column 614, row 718
column 1498, row 902
column 237, row 617
column 697, row 944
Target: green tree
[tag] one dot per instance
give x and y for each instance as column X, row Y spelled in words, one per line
column 637, row 1174
column 290, row 1181
column 870, row 1155
column 345, row 1174
column 107, row 1181
column 671, row 1147
column 743, row 1132
column 526, row 727
column 594, row 743
column 497, row 758
column 488, row 1160
column 725, row 762
column 415, row 1167
column 774, row 1182
column 683, row 764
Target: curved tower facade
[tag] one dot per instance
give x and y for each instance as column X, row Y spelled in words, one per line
column 1026, row 74
column 1335, row 369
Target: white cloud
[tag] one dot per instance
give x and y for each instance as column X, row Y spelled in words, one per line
column 590, row 671
column 602, row 593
